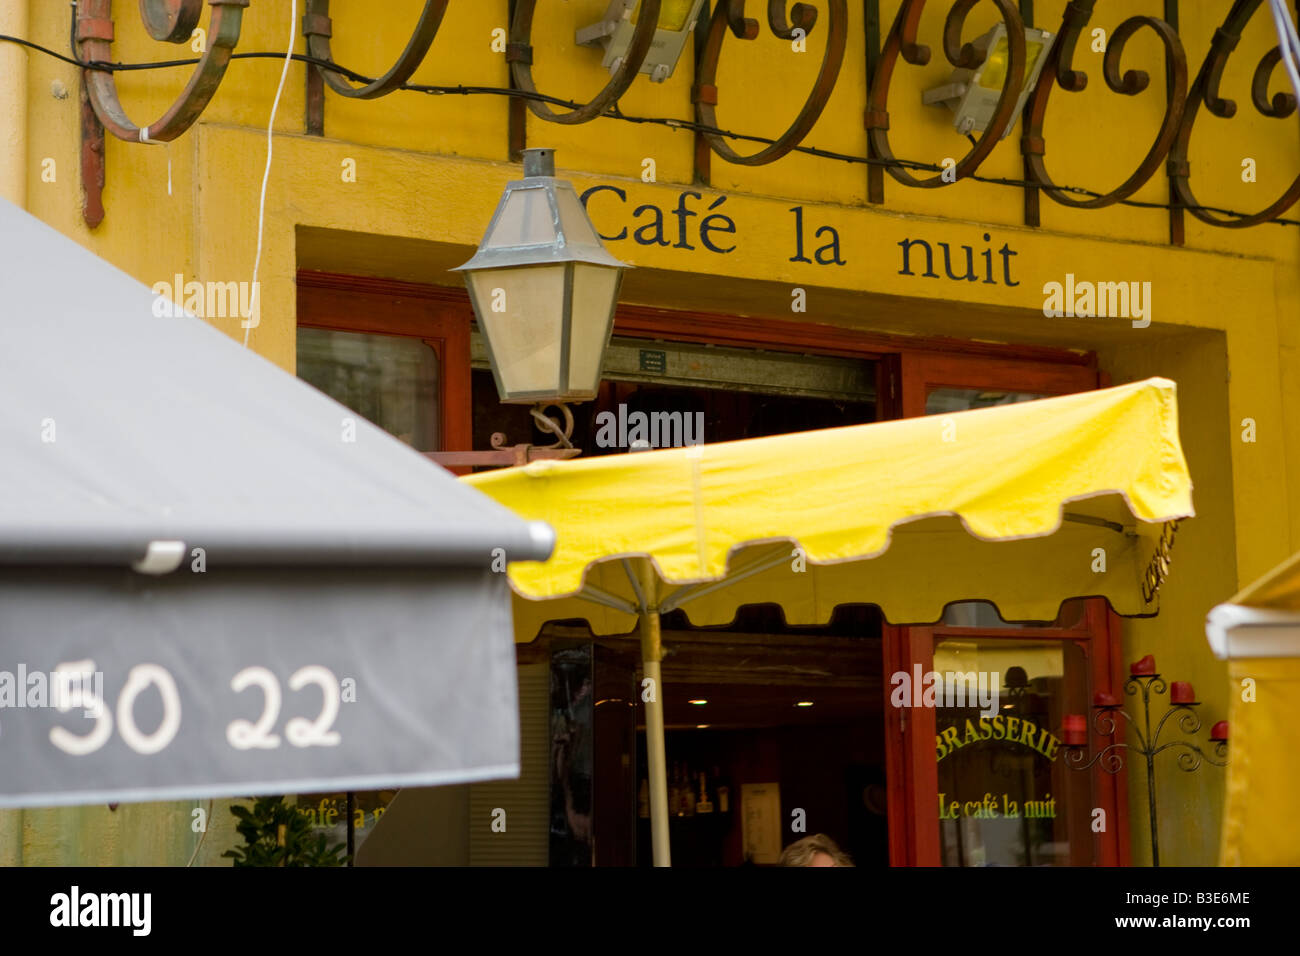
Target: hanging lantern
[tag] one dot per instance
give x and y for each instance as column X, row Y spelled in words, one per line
column 544, row 290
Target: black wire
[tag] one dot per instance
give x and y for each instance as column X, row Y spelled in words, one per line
column 615, row 113
column 36, row 46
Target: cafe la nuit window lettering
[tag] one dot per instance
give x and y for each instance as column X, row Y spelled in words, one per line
column 1005, row 796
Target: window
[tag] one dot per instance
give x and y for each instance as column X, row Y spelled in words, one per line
column 1006, row 797
column 396, row 353
column 390, row 380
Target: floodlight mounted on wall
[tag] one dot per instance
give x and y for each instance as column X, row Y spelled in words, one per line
column 677, row 20
column 973, row 94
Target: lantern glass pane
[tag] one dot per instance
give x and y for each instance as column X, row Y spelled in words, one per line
column 594, row 291
column 578, row 230
column 525, row 219
column 519, row 311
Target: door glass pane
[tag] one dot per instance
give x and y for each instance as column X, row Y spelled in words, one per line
column 390, row 380
column 940, row 401
column 985, row 614
column 1006, row 796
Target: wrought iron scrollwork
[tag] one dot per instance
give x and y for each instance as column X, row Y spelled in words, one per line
column 1281, row 105
column 1058, row 70
column 1111, row 757
column 171, row 21
column 1206, row 90
column 519, row 53
column 730, row 14
column 902, row 42
column 318, row 28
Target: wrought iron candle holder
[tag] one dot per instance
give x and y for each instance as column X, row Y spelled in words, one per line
column 1111, row 757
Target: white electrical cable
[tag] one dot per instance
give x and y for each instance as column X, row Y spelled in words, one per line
column 1288, row 42
column 207, row 822
column 266, row 174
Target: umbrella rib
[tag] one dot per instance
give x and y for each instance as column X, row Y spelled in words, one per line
column 643, row 606
column 597, row 596
column 708, row 587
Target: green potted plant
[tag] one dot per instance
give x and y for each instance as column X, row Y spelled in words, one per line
column 277, row 834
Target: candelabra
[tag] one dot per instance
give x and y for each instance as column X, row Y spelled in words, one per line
column 1111, row 759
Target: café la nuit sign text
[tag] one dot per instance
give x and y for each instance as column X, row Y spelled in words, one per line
column 697, row 225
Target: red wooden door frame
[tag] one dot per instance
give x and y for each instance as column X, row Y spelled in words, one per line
column 914, row 789
column 438, row 317
column 921, row 372
column 912, row 771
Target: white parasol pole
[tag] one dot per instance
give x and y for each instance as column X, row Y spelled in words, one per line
column 651, row 653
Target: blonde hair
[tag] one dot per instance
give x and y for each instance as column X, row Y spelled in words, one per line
column 801, row 852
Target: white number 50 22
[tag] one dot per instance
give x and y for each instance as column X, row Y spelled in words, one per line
column 246, row 735
column 75, row 692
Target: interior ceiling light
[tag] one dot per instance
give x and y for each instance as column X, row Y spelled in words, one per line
column 677, row 19
column 972, row 94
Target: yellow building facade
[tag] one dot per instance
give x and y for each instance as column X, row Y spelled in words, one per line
column 401, row 188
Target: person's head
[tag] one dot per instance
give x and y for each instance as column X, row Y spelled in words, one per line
column 815, row 850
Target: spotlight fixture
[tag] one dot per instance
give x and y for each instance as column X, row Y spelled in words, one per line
column 677, row 19
column 972, row 94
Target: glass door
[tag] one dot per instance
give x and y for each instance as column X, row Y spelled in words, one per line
column 978, row 776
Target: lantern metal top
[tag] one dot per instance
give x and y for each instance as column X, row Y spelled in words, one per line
column 539, row 161
column 539, row 221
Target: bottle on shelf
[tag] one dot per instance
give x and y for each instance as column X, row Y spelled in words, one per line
column 688, row 793
column 703, row 804
column 723, row 789
column 674, row 794
column 643, row 800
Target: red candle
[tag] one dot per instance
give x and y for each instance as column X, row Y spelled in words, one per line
column 1180, row 692
column 1145, row 666
column 1219, row 731
column 1102, row 699
column 1075, row 730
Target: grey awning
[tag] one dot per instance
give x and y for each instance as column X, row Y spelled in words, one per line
column 356, row 581
column 166, row 429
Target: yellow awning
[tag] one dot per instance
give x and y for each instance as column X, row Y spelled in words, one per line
column 1024, row 505
column 1258, row 631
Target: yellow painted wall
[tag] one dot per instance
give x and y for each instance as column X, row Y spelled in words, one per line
column 430, row 169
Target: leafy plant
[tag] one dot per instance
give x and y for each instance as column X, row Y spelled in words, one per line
column 277, row 834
